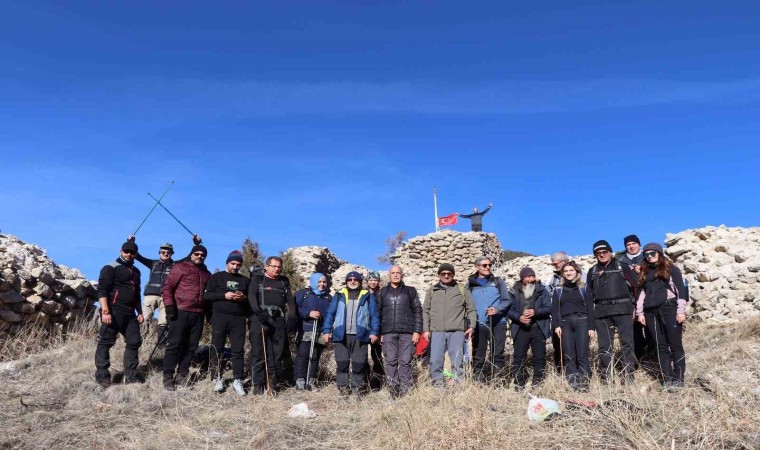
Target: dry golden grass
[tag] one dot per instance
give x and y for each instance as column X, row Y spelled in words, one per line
column 50, row 400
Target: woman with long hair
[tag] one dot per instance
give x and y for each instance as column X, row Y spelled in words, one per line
column 661, row 307
column 573, row 323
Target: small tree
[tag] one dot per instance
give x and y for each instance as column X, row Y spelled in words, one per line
column 289, row 270
column 252, row 257
column 393, row 244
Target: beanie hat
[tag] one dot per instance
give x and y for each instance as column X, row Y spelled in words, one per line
column 234, row 256
column 526, row 272
column 654, row 246
column 602, row 245
column 446, row 266
column 354, row 274
column 199, row 248
column 631, row 238
column 373, row 275
column 129, row 245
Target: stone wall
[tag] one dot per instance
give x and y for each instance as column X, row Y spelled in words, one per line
column 34, row 289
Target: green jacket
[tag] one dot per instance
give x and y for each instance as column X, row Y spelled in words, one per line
column 447, row 307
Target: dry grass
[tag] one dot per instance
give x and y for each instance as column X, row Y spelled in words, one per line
column 64, row 408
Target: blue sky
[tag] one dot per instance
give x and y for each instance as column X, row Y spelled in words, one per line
column 329, row 123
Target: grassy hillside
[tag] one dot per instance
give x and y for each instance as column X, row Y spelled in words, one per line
column 50, row 400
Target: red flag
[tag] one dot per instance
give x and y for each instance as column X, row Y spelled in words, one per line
column 449, row 220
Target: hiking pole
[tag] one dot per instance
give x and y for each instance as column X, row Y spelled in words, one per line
column 158, row 202
column 266, row 363
column 311, row 351
column 493, row 347
column 158, row 341
column 154, row 206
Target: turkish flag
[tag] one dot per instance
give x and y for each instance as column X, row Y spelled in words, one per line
column 449, row 220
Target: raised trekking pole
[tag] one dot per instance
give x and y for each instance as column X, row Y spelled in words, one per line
column 266, row 364
column 154, row 206
column 311, row 351
column 158, row 202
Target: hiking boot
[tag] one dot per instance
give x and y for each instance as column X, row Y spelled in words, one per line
column 169, row 384
column 183, row 380
column 237, row 385
column 344, row 391
column 258, row 389
column 137, row 378
column 311, row 385
column 105, row 383
column 300, row 384
column 218, row 384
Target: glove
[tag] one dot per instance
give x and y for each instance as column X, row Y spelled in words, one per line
column 292, row 325
column 262, row 316
column 171, row 312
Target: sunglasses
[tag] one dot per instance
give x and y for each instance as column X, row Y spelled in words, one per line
column 128, row 252
column 166, row 252
column 650, row 254
column 485, row 265
column 353, row 279
column 446, row 274
column 602, row 252
column 199, row 254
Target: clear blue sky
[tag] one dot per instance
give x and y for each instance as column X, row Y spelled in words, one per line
column 329, row 123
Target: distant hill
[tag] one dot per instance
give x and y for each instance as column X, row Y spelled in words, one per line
column 508, row 255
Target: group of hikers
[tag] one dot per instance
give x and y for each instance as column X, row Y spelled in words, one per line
column 640, row 295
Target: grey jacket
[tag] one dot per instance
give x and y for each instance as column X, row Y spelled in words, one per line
column 448, row 308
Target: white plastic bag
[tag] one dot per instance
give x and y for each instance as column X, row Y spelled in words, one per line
column 541, row 409
column 301, row 410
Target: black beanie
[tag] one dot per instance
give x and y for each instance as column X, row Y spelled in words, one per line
column 446, row 266
column 631, row 238
column 602, row 245
column 199, row 248
column 129, row 245
column 234, row 256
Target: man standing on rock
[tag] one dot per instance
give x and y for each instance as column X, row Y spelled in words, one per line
column 448, row 316
column 228, row 294
column 159, row 270
column 400, row 328
column 184, row 304
column 476, row 218
column 611, row 285
column 377, row 371
column 634, row 257
column 488, row 292
column 119, row 297
column 273, row 314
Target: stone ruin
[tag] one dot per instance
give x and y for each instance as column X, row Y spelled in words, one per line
column 36, row 290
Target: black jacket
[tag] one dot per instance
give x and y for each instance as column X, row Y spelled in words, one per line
column 119, row 282
column 400, row 310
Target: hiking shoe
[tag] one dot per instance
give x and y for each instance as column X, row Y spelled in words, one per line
column 105, row 383
column 218, row 384
column 344, row 391
column 311, row 385
column 183, row 380
column 300, row 384
column 169, row 385
column 237, row 385
column 138, row 378
column 258, row 389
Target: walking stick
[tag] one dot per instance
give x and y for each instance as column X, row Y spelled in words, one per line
column 158, row 341
column 158, row 202
column 154, row 207
column 266, row 363
column 311, row 351
column 493, row 347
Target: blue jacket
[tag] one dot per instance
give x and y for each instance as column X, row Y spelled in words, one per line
column 306, row 302
column 492, row 294
column 367, row 317
column 542, row 307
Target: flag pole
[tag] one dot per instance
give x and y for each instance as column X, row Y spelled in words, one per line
column 435, row 208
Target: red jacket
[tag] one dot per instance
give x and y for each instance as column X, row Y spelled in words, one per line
column 185, row 285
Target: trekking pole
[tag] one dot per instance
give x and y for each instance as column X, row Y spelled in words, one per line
column 266, row 363
column 311, row 351
column 158, row 202
column 493, row 347
column 158, row 341
column 154, row 207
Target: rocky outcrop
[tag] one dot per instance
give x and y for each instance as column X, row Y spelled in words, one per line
column 310, row 259
column 34, row 289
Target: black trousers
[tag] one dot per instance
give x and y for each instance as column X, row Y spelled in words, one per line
column 350, row 352
column 605, row 331
column 124, row 323
column 643, row 344
column 302, row 360
column 496, row 338
column 575, row 346
column 267, row 352
column 377, row 371
column 668, row 335
column 534, row 339
column 223, row 326
column 184, row 334
column 477, row 227
column 556, row 356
